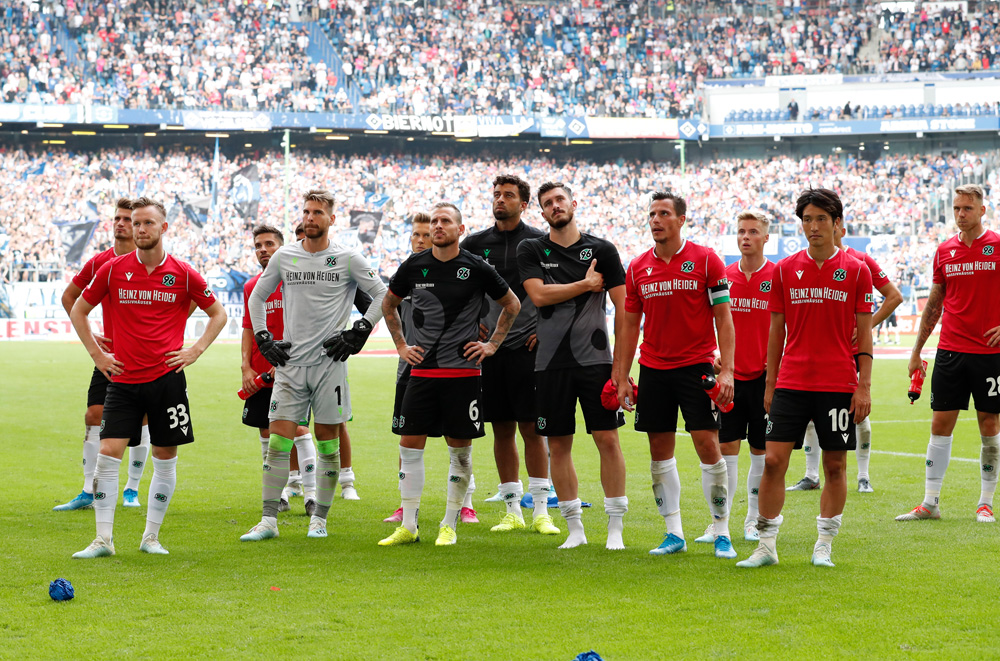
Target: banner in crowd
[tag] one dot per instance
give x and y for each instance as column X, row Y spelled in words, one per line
column 196, row 208
column 223, row 120
column 244, row 191
column 366, row 223
column 75, row 237
column 859, row 127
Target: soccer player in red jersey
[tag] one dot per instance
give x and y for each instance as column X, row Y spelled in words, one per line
column 139, row 445
column 749, row 291
column 892, row 299
column 149, row 294
column 966, row 282
column 819, row 297
column 681, row 289
column 266, row 241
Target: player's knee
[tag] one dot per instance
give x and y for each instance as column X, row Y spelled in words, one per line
column 607, row 442
column 834, row 464
column 989, row 423
column 92, row 417
column 775, row 463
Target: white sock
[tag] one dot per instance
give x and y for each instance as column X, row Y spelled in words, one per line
column 989, row 457
column 346, row 478
column 91, row 448
column 615, row 508
column 467, row 503
column 538, row 487
column 811, row 447
column 161, row 490
column 864, row 447
column 264, row 442
column 106, row 494
column 733, row 477
column 768, row 529
column 828, row 528
column 572, row 510
column 938, row 456
column 137, row 460
column 459, row 470
column 667, row 493
column 714, row 483
column 411, row 484
column 306, row 450
column 753, row 486
column 511, row 493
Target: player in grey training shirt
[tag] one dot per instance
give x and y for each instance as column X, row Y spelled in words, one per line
column 320, row 279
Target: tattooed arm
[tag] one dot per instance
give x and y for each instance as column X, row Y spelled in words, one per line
column 928, row 320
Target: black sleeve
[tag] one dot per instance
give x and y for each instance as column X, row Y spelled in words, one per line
column 400, row 284
column 493, row 283
column 362, row 301
column 609, row 264
column 528, row 265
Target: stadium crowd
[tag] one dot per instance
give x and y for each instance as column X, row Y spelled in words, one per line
column 886, row 199
column 469, row 57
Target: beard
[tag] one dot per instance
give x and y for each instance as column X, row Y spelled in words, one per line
column 314, row 233
column 559, row 224
column 502, row 214
column 147, row 243
column 443, row 242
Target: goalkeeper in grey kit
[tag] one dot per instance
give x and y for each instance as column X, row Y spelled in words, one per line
column 319, row 280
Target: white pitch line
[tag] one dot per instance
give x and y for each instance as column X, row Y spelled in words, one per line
column 920, row 456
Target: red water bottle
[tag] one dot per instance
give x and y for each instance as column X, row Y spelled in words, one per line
column 917, row 383
column 261, row 381
column 712, row 389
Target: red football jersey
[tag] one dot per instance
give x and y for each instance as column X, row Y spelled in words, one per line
column 820, row 305
column 677, row 300
column 879, row 278
column 748, row 301
column 86, row 276
column 150, row 310
column 275, row 322
column 971, row 277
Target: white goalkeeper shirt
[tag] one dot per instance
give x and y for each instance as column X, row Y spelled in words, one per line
column 318, row 295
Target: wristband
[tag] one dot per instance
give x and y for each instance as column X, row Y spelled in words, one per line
column 865, row 353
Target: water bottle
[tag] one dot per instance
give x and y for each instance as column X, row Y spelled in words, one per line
column 712, row 389
column 917, row 383
column 261, row 381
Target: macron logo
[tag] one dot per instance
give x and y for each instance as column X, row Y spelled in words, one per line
column 952, row 253
column 799, row 273
column 649, row 270
column 845, row 437
column 128, row 276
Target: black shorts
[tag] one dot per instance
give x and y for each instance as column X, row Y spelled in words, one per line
column 255, row 409
column 958, row 375
column 557, row 391
column 96, row 394
column 791, row 411
column 890, row 321
column 662, row 392
column 397, row 407
column 747, row 419
column 508, row 386
column 98, row 389
column 163, row 400
column 441, row 406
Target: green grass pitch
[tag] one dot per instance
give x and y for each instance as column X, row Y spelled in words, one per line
column 898, row 589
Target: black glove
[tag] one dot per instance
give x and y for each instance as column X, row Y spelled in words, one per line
column 349, row 342
column 276, row 353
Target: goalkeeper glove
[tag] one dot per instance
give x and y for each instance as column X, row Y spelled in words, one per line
column 276, row 353
column 349, row 342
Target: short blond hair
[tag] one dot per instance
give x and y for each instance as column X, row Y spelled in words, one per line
column 972, row 190
column 143, row 202
column 755, row 215
column 320, row 195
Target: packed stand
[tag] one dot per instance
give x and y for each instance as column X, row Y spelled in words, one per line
column 231, row 56
column 887, row 199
